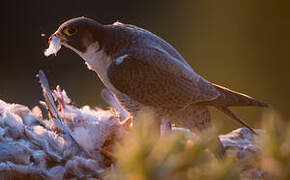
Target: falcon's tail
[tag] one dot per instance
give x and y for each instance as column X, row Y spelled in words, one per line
column 230, row 113
column 231, row 98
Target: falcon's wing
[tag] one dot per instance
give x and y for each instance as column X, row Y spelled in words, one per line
column 154, row 78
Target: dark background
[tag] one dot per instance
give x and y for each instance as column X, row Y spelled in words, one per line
column 241, row 44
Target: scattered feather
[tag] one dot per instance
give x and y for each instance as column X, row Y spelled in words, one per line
column 54, row 46
column 65, row 145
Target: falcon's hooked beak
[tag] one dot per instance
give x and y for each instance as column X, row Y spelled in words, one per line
column 55, row 42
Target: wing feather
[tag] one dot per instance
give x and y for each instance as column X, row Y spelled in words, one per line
column 154, row 78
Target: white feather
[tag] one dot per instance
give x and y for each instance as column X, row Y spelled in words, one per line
column 54, row 46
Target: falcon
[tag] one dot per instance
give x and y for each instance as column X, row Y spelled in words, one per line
column 142, row 70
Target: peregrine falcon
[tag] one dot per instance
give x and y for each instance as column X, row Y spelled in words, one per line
column 142, row 70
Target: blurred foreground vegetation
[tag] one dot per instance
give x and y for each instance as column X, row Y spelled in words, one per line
column 145, row 156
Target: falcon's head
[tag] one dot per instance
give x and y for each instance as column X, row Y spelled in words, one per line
column 77, row 34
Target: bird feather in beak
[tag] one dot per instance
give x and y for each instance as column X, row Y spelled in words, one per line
column 54, row 46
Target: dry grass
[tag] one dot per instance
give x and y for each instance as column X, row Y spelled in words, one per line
column 145, row 156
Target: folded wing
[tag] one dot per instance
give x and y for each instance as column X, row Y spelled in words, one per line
column 156, row 79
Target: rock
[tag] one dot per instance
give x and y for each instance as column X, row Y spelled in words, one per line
column 244, row 146
column 241, row 143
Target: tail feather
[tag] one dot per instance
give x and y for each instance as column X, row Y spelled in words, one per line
column 230, row 113
column 231, row 98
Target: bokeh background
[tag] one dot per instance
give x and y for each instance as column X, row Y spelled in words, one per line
column 240, row 44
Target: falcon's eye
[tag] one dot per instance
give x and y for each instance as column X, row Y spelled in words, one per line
column 70, row 31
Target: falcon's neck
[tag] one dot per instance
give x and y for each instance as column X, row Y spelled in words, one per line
column 94, row 58
column 98, row 61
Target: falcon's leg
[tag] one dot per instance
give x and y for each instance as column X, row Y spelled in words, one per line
column 165, row 128
column 110, row 99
